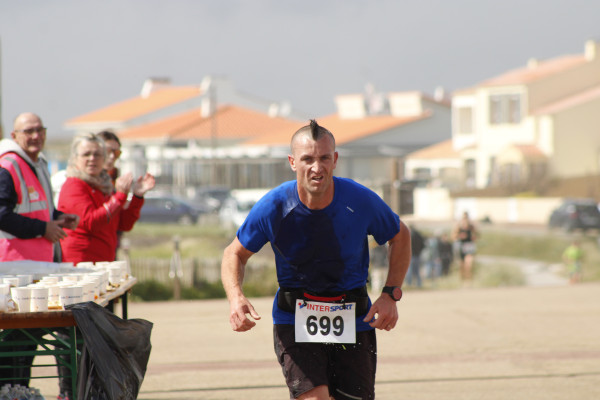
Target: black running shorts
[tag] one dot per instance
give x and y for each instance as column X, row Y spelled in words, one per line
column 347, row 369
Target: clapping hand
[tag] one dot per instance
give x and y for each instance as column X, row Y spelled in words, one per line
column 143, row 184
column 123, row 183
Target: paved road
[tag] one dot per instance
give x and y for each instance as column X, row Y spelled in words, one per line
column 534, row 343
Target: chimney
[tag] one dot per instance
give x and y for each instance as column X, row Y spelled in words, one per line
column 153, row 84
column 592, row 50
column 208, row 105
column 532, row 63
column 351, row 106
column 439, row 94
column 406, row 104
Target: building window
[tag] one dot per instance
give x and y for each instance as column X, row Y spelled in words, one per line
column 505, row 109
column 465, row 120
column 470, row 173
column 422, row 173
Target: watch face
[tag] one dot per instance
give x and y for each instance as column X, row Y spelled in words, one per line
column 397, row 293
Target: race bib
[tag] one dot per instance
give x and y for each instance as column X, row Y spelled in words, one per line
column 325, row 322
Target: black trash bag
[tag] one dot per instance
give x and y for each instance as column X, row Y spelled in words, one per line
column 114, row 356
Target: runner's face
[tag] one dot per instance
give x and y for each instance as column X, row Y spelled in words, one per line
column 314, row 162
column 90, row 158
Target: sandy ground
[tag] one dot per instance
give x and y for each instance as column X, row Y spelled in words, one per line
column 507, row 343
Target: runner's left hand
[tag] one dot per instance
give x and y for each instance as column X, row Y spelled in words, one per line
column 383, row 313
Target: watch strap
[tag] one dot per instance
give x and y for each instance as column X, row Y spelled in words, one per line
column 395, row 292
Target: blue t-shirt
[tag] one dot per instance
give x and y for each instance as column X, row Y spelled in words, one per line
column 319, row 250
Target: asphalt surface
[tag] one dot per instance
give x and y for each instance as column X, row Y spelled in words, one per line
column 534, row 343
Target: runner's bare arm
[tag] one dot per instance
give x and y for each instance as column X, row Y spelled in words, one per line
column 233, row 266
column 399, row 259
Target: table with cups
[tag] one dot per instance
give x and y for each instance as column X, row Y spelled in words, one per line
column 37, row 300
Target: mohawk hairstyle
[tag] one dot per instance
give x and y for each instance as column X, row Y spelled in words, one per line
column 314, row 129
column 316, row 132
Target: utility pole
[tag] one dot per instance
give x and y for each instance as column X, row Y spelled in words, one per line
column 176, row 269
column 213, row 131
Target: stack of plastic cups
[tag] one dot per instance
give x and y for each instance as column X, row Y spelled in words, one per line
column 95, row 281
column 125, row 270
column 5, row 300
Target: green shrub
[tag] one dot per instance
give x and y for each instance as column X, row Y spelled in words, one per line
column 203, row 290
column 151, row 291
column 495, row 275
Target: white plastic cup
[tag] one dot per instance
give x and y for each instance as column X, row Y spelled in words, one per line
column 88, row 290
column 4, row 289
column 4, row 296
column 74, row 278
column 96, row 282
column 85, row 264
column 12, row 281
column 70, row 295
column 124, row 268
column 53, row 295
column 103, row 285
column 66, row 264
column 25, row 279
column 22, row 297
column 50, row 280
column 39, row 298
column 114, row 275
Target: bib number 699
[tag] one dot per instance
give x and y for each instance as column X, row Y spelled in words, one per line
column 317, row 322
column 324, row 325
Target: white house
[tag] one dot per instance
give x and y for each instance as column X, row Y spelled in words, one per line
column 531, row 124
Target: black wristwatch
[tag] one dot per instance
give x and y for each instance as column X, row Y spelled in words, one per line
column 395, row 292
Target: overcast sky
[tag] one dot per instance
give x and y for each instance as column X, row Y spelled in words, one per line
column 61, row 59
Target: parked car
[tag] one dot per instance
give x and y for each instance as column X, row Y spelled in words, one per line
column 233, row 212
column 212, row 196
column 235, row 209
column 576, row 214
column 160, row 208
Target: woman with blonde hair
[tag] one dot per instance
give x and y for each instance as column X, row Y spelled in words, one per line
column 89, row 193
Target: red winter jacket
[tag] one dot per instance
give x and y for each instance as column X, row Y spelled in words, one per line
column 101, row 216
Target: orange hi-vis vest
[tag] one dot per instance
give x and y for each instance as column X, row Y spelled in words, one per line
column 31, row 203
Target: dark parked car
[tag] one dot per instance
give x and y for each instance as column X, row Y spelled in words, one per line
column 212, row 196
column 170, row 208
column 576, row 214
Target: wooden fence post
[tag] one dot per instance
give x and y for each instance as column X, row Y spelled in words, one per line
column 176, row 270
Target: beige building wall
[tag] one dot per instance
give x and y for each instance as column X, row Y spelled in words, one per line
column 558, row 86
column 368, row 171
column 577, row 141
column 435, row 204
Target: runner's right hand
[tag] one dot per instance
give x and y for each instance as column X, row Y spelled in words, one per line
column 237, row 317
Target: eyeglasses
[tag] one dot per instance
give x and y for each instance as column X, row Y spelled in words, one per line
column 89, row 154
column 31, row 131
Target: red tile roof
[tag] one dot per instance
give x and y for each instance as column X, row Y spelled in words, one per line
column 530, row 74
column 571, row 101
column 344, row 130
column 230, row 122
column 436, row 151
column 137, row 106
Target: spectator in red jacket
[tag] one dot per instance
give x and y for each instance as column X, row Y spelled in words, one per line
column 89, row 193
